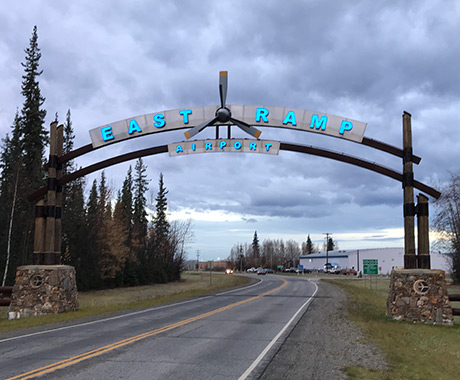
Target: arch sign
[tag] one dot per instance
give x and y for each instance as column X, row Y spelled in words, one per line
column 248, row 118
column 279, row 117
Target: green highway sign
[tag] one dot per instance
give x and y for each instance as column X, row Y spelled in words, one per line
column 370, row 266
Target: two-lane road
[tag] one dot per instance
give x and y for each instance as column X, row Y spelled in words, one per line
column 230, row 335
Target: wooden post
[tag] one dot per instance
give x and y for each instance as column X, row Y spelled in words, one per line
column 423, row 232
column 58, row 214
column 39, row 237
column 410, row 259
column 50, row 230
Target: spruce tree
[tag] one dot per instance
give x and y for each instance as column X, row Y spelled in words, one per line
column 139, row 241
column 89, row 265
column 33, row 135
column 126, row 203
column 140, row 202
column 331, row 245
column 160, row 256
column 256, row 249
column 22, row 165
column 160, row 222
column 309, row 247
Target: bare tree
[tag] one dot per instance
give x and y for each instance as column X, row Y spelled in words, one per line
column 447, row 223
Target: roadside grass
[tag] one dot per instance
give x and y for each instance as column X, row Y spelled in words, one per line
column 114, row 300
column 412, row 351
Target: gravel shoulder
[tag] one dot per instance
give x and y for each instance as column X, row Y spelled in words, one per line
column 323, row 343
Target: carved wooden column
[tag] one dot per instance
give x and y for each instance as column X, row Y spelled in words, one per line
column 410, row 259
column 423, row 233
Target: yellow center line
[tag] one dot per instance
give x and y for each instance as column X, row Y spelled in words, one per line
column 98, row 351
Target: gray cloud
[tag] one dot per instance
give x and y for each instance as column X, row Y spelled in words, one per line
column 369, row 61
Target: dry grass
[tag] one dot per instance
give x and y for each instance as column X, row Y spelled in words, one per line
column 413, row 351
column 113, row 300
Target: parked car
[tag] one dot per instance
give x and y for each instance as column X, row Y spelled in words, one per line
column 260, row 271
column 269, row 270
column 349, row 272
column 251, row 270
column 332, row 268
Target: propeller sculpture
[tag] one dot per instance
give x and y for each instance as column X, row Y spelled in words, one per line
column 223, row 114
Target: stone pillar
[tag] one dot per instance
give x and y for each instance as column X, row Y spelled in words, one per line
column 423, row 238
column 419, row 295
column 46, row 287
column 410, row 259
column 43, row 289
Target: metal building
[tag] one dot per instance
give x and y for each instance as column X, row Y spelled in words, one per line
column 388, row 259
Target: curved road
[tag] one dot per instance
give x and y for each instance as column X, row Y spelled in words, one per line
column 231, row 335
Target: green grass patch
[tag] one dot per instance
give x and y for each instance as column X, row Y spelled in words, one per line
column 413, row 351
column 113, row 300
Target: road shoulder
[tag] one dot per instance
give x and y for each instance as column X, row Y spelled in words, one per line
column 323, row 342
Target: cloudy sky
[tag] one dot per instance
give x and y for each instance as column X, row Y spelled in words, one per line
column 364, row 60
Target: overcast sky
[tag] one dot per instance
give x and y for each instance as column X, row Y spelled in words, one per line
column 364, row 60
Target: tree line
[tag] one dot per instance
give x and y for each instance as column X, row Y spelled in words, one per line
column 110, row 241
column 272, row 253
column 107, row 237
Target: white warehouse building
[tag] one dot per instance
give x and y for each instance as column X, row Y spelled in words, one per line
column 388, row 259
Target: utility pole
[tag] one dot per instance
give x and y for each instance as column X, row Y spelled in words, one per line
column 197, row 259
column 327, row 246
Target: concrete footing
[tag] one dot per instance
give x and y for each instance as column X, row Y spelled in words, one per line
column 43, row 289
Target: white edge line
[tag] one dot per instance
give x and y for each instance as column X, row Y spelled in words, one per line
column 116, row 317
column 274, row 340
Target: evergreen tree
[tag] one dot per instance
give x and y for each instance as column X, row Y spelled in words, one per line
column 22, row 167
column 160, row 254
column 33, row 135
column 139, row 243
column 309, row 246
column 129, row 272
column 68, row 134
column 331, row 245
column 89, row 265
column 160, row 222
column 256, row 248
column 140, row 202
column 126, row 203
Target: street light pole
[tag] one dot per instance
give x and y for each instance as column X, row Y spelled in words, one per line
column 327, row 247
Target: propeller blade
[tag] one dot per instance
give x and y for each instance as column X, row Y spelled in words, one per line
column 198, row 128
column 253, row 131
column 223, row 84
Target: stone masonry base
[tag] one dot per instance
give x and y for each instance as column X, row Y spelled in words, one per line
column 43, row 289
column 419, row 295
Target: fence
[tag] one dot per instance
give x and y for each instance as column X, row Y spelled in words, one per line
column 455, row 298
column 5, row 295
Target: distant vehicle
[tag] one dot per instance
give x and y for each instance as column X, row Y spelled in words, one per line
column 349, row 271
column 269, row 270
column 229, row 271
column 260, row 271
column 332, row 268
column 251, row 270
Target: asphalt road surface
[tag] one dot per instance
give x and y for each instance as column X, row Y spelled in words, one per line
column 231, row 335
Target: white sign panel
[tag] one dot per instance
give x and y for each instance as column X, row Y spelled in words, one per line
column 224, row 145
column 181, row 118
